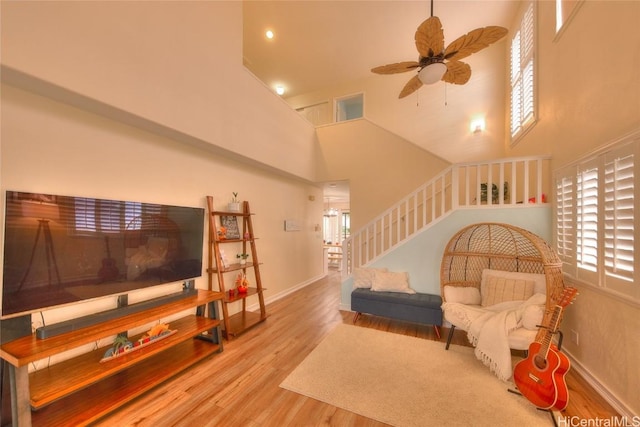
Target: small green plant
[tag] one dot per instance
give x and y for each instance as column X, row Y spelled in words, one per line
column 242, row 256
column 234, row 199
column 495, row 195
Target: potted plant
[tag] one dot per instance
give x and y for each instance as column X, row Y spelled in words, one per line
column 243, row 258
column 234, row 204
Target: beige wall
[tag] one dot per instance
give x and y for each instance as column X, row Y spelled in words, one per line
column 175, row 106
column 588, row 86
column 589, row 95
column 381, row 167
column 173, row 65
column 451, row 107
column 51, row 148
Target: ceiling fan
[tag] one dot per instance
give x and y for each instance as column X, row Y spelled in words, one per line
column 436, row 62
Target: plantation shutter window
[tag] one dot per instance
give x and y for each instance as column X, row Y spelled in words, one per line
column 595, row 218
column 565, row 229
column 522, row 75
column 619, row 176
column 587, row 219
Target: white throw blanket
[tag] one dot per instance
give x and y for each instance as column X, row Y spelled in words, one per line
column 488, row 327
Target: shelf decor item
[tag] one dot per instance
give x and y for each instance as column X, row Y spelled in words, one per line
column 234, row 204
column 242, row 283
column 122, row 345
column 230, row 224
column 233, row 279
column 222, row 233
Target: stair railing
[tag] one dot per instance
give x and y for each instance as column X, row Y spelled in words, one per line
column 512, row 182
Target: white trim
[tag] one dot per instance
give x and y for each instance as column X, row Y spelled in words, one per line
column 288, row 291
column 599, row 388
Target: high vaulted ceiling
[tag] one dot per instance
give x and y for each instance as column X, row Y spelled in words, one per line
column 320, row 45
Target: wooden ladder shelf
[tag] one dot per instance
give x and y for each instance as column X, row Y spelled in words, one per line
column 239, row 233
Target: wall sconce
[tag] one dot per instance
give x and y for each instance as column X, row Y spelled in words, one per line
column 477, row 125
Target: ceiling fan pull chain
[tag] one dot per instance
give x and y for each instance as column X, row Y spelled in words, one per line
column 445, row 94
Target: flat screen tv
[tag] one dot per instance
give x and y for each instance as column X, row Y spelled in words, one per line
column 60, row 249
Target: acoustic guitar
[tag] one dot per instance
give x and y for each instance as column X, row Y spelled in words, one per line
column 540, row 377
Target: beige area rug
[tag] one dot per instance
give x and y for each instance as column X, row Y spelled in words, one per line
column 407, row 381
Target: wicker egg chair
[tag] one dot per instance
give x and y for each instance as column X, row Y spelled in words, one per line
column 500, row 246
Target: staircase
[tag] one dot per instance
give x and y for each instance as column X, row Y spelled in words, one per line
column 512, row 182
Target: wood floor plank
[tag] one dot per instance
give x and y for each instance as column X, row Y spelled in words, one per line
column 240, row 386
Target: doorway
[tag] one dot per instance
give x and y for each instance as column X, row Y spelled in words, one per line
column 336, row 222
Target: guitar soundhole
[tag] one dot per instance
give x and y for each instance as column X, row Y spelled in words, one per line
column 540, row 362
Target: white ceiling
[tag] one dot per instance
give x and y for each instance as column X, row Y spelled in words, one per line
column 319, row 45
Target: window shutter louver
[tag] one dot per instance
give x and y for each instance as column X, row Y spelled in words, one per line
column 565, row 238
column 587, row 217
column 522, row 75
column 619, row 216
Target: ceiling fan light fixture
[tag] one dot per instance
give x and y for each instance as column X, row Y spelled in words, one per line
column 432, row 73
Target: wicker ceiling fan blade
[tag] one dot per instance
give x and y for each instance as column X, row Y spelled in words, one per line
column 457, row 72
column 474, row 41
column 411, row 86
column 398, row 67
column 430, row 37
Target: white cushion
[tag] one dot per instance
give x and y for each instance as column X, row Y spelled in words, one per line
column 363, row 277
column 389, row 281
column 532, row 316
column 462, row 294
column 540, row 280
column 500, row 289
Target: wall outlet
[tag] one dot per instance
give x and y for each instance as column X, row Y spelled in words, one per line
column 574, row 336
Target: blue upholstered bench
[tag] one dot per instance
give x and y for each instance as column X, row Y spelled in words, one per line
column 416, row 308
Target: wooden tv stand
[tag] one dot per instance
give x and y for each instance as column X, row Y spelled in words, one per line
column 48, row 396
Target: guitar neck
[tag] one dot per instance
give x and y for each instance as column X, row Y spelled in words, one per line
column 550, row 330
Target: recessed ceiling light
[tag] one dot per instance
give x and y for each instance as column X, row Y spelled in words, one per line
column 269, row 34
column 280, row 89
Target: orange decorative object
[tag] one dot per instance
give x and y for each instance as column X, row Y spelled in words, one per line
column 222, row 233
column 242, row 283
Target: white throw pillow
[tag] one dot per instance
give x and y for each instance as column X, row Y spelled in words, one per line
column 500, row 289
column 363, row 277
column 389, row 281
column 532, row 316
column 462, row 294
column 540, row 280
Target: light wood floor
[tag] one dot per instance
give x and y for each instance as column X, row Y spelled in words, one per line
column 240, row 387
